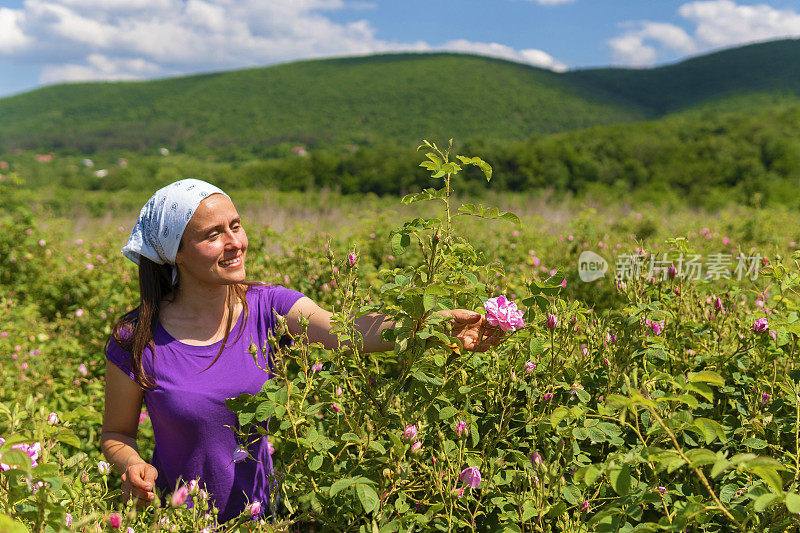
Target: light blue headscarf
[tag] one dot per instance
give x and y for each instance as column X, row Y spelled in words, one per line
column 163, row 219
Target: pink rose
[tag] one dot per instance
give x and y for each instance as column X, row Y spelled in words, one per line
column 31, row 450
column 254, row 508
column 179, row 496
column 504, row 313
column 471, row 477
column 114, row 520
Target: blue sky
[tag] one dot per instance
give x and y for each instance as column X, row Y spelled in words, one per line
column 51, row 41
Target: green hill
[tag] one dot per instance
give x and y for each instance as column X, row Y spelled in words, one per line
column 769, row 70
column 388, row 98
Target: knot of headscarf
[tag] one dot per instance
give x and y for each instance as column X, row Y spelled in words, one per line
column 163, row 219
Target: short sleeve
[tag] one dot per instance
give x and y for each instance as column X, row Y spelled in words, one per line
column 280, row 299
column 121, row 359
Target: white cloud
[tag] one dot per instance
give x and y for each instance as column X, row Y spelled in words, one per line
column 636, row 47
column 717, row 24
column 531, row 56
column 99, row 67
column 724, row 23
column 630, row 49
column 11, row 35
column 131, row 39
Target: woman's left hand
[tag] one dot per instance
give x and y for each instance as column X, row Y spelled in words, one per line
column 472, row 329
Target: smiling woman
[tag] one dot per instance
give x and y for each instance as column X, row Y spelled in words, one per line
column 191, row 248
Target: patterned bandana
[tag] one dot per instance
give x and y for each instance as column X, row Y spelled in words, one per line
column 163, row 219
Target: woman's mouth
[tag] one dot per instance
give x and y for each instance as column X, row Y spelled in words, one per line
column 231, row 263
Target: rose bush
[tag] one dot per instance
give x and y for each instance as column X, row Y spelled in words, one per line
column 658, row 403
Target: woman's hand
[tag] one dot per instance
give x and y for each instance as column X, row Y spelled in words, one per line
column 138, row 482
column 472, row 329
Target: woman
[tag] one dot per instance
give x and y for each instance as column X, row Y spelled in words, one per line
column 184, row 349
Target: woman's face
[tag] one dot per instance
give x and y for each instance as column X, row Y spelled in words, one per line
column 214, row 244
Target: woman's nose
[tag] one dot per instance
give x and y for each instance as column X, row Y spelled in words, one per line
column 235, row 239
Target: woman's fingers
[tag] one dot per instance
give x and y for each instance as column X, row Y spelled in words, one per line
column 139, row 481
column 490, row 336
column 473, row 330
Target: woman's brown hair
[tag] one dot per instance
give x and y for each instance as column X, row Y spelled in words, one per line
column 136, row 329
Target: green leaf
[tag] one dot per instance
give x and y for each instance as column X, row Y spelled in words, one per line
column 793, row 502
column 391, row 527
column 400, row 243
column 707, row 429
column 245, row 417
column 448, row 412
column 529, row 510
column 75, row 459
column 9, row 525
column 557, row 416
column 702, row 389
column 18, row 459
column 673, row 464
column 763, row 501
column 350, row 437
column 377, row 447
column 315, row 463
column 265, row 410
column 437, row 290
column 756, row 444
column 706, row 376
column 621, row 479
column 342, row 484
column 428, row 301
column 397, row 445
column 727, row 492
column 701, row 456
column 571, row 494
column 435, row 158
column 511, row 217
column 368, row 498
column 770, row 476
column 592, row 474
column 688, row 399
column 67, row 436
column 720, row 466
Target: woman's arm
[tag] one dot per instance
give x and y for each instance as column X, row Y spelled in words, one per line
column 118, row 440
column 319, row 326
column 471, row 328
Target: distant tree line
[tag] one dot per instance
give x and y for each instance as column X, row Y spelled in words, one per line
column 702, row 158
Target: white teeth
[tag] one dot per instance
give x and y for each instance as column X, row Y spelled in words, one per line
column 230, row 261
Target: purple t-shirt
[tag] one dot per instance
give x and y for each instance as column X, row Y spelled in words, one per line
column 187, row 406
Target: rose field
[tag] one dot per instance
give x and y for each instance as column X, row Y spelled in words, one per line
column 661, row 395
